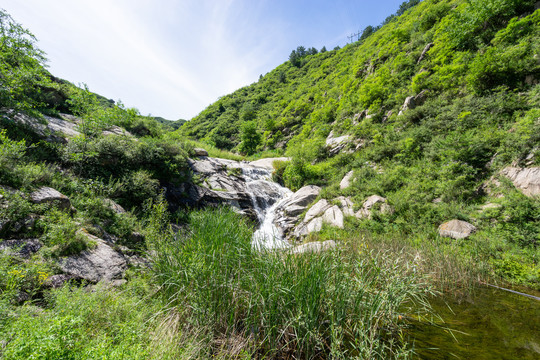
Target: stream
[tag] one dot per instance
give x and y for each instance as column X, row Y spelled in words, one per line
column 487, row 323
column 266, row 195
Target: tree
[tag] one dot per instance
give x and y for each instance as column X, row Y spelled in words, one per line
column 367, row 33
column 250, row 138
column 323, row 49
column 21, row 65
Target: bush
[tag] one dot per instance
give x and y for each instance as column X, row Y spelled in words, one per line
column 63, row 234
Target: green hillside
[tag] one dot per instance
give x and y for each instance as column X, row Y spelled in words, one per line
column 472, row 68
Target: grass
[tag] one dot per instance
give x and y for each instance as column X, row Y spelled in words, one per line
column 215, row 152
column 341, row 304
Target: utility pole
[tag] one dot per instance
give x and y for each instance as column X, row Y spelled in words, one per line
column 356, row 35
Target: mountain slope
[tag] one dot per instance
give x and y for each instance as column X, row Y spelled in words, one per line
column 426, row 111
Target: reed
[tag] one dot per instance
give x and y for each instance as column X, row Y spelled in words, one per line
column 346, row 303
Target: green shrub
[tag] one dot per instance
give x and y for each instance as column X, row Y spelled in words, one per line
column 63, row 234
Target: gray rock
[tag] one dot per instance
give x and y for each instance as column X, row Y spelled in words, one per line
column 314, row 247
column 100, row 263
column 456, row 229
column 336, row 144
column 527, row 180
column 114, row 206
column 23, row 248
column 50, row 195
column 315, row 225
column 369, row 204
column 288, row 211
column 346, row 205
column 346, row 182
column 268, row 162
column 334, row 217
column 200, row 152
column 424, row 52
column 317, row 210
column 57, row 281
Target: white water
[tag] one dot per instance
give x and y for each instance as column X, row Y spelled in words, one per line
column 266, row 196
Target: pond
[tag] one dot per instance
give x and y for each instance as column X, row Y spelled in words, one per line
column 487, row 324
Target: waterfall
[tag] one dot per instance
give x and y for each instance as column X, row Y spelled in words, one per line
column 266, row 196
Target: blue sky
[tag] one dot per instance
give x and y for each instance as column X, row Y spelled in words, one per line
column 172, row 58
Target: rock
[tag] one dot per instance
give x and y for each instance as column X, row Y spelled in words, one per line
column 314, row 247
column 267, row 163
column 408, row 104
column 527, row 180
column 50, row 195
column 456, row 229
column 317, row 210
column 137, row 238
column 346, row 205
column 303, row 197
column 23, row 248
column 346, row 182
column 365, row 211
column 304, row 229
column 334, row 217
column 287, row 213
column 424, row 52
column 101, row 263
column 114, row 206
column 200, row 152
column 336, row 144
column 57, row 281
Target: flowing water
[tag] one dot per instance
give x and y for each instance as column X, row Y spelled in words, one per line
column 266, row 196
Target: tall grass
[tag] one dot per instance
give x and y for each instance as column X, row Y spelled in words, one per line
column 340, row 304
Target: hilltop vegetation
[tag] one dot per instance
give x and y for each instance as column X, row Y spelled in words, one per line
column 472, row 69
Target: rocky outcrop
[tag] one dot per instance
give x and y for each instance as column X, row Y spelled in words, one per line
column 346, row 181
column 527, row 180
column 23, row 248
column 200, row 152
column 58, row 129
column 226, row 182
column 424, row 52
column 288, row 212
column 50, row 195
column 373, row 202
column 324, row 212
column 456, row 229
column 314, row 247
column 336, row 144
column 100, row 263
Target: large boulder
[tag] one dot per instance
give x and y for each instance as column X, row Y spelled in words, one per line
column 317, row 210
column 287, row 212
column 314, row 247
column 347, row 179
column 100, row 263
column 334, row 217
column 346, row 205
column 456, row 229
column 50, row 195
column 527, row 180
